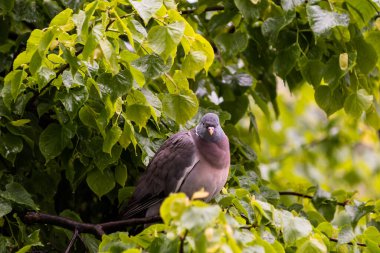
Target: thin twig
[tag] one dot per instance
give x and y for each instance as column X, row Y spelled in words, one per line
column 212, row 8
column 72, row 241
column 289, row 193
column 95, row 229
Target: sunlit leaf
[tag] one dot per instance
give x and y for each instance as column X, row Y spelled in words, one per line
column 322, row 21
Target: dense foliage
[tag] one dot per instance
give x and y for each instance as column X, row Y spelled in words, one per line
column 90, row 89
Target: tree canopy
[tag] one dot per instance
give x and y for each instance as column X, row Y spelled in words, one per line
column 90, row 89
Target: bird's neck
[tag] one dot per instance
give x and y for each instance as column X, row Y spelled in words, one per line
column 216, row 153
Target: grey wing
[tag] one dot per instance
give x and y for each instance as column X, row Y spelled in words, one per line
column 165, row 173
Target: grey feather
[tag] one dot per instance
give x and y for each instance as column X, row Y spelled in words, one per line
column 186, row 162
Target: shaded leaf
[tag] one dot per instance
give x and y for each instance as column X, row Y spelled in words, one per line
column 100, row 182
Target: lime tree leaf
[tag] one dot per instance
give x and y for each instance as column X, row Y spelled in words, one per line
column 35, row 62
column 273, row 25
column 176, row 82
column 294, row 228
column 7, row 6
column 100, row 182
column 173, row 207
column 357, row 211
column 20, row 122
column 197, row 217
column 70, row 59
column 5, row 207
column 112, row 136
column 346, row 234
column 128, row 135
column 62, row 18
column 367, row 56
column 70, row 80
column 290, row 55
column 194, row 62
column 164, row 40
column 362, row 11
column 202, row 45
column 356, row 103
column 251, row 10
column 180, row 107
column 44, row 76
column 10, row 146
column 312, row 71
column 115, row 86
column 109, row 55
column 313, row 245
column 138, row 113
column 231, row 44
column 152, row 66
column 322, row 21
column 73, row 99
column 53, row 141
column 121, row 174
column 324, row 203
column 87, row 116
column 16, row 193
column 289, row 5
column 146, row 8
column 323, row 97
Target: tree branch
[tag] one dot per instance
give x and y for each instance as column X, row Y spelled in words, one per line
column 289, row 193
column 81, row 227
column 211, row 8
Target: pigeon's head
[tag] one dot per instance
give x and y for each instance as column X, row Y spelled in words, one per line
column 209, row 128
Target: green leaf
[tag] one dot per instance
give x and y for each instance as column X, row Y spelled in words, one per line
column 322, row 21
column 63, row 20
column 73, row 99
column 20, row 122
column 313, row 245
column 324, row 203
column 115, row 86
column 357, row 211
column 290, row 55
column 35, row 62
column 70, row 59
column 231, row 44
column 10, row 146
column 312, row 71
column 53, row 141
column 294, row 228
column 146, row 8
column 164, row 40
column 194, row 62
column 356, row 103
column 180, row 107
column 128, row 135
column 173, row 207
column 138, row 113
column 152, row 66
column 100, row 182
column 367, row 56
column 16, row 193
column 87, row 115
column 323, row 97
column 199, row 218
column 121, row 174
column 5, row 207
column 251, row 10
column 17, row 83
column 138, row 110
column 289, row 5
column 44, row 76
column 362, row 11
column 273, row 25
column 112, row 136
column 110, row 56
column 7, row 6
column 346, row 234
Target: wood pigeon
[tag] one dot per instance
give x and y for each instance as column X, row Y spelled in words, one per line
column 187, row 162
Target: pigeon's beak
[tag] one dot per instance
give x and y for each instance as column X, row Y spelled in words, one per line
column 210, row 130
